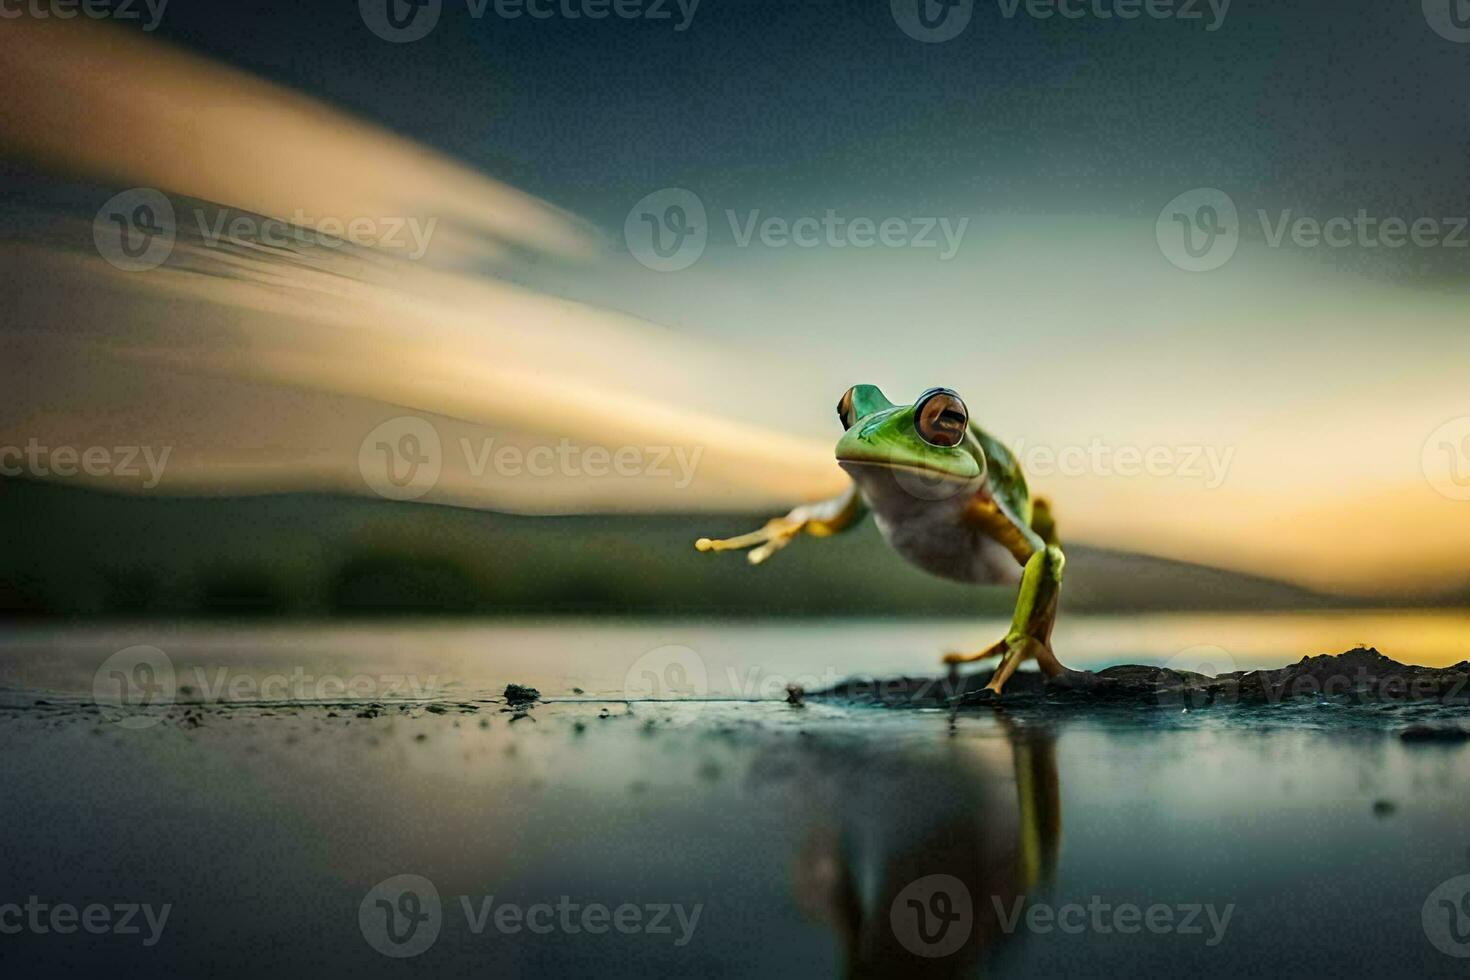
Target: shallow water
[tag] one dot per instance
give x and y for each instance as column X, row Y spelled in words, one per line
column 672, row 658
column 706, row 837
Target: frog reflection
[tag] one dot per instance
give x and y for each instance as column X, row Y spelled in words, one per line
column 919, row 858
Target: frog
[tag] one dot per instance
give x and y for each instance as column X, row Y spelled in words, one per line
column 952, row 500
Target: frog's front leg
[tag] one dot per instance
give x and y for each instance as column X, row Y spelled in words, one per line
column 820, row 519
column 1030, row 632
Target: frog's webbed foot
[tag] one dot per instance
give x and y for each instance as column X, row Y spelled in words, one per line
column 775, row 535
column 820, row 519
column 1030, row 632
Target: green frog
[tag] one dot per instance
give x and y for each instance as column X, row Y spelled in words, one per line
column 950, row 498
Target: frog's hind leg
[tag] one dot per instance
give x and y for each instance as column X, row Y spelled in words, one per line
column 1030, row 632
column 1036, row 613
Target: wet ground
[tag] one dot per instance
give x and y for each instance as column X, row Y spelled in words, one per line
column 228, row 821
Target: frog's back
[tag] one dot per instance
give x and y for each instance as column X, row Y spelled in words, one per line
column 1004, row 481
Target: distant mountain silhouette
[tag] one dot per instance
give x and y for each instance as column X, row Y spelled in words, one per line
column 69, row 551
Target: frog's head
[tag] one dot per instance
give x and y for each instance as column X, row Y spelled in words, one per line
column 928, row 439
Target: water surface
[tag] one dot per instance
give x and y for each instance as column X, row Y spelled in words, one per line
column 826, row 839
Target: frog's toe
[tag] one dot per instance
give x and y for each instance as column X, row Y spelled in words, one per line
column 984, row 695
column 952, row 658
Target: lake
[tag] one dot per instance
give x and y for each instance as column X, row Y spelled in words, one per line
column 359, row 799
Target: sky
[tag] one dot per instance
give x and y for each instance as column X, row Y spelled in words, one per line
column 1002, row 212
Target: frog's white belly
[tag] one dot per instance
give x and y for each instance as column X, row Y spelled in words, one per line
column 924, row 523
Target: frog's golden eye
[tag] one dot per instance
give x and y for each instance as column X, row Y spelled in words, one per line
column 844, row 409
column 941, row 418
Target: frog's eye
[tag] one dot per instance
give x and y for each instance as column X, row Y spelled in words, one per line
column 844, row 409
column 941, row 418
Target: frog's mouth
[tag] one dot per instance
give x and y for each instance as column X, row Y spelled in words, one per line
column 918, row 469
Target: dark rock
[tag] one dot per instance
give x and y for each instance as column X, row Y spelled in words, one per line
column 516, row 694
column 1361, row 674
column 1447, row 734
